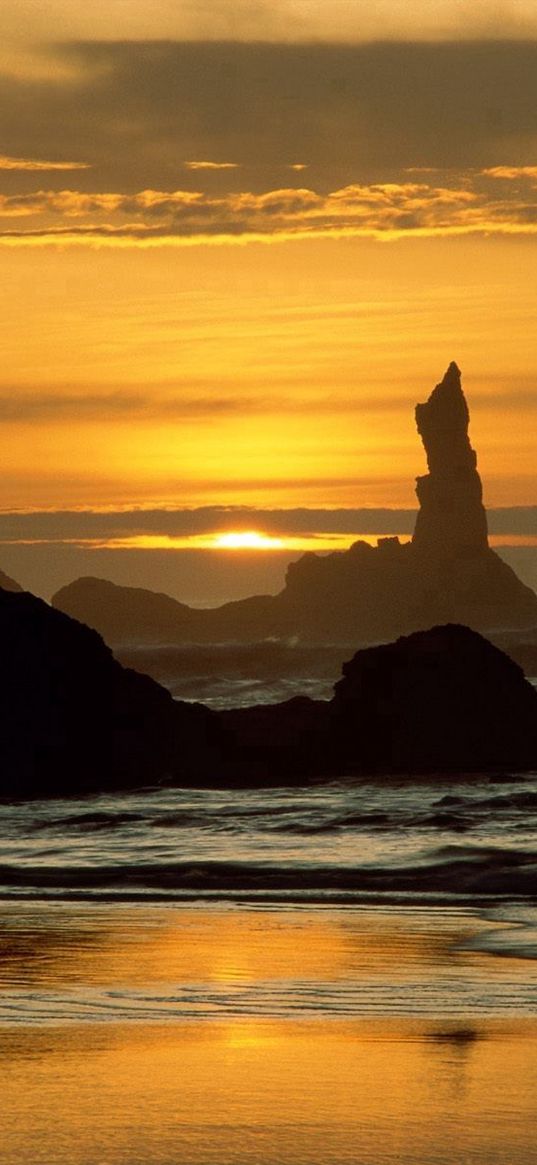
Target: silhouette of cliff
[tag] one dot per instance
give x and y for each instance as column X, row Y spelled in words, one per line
column 448, row 573
column 73, row 720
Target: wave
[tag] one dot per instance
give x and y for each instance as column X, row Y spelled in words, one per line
column 89, row 822
column 459, row 871
column 336, row 809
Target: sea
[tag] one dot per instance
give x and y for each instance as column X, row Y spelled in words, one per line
column 338, row 973
column 441, row 844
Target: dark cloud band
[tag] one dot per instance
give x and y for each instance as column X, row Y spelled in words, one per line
column 136, row 111
column 50, row 526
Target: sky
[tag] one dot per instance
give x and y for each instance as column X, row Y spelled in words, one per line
column 239, row 242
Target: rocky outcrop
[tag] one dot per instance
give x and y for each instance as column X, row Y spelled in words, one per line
column 73, row 720
column 440, row 700
column 448, row 573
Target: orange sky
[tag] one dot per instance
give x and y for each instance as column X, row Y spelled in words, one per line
column 231, row 269
column 265, row 374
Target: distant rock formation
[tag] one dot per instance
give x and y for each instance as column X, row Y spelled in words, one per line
column 132, row 615
column 366, row 594
column 448, row 573
column 72, row 720
column 7, row 583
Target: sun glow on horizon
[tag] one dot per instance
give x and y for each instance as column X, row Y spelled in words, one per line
column 248, row 540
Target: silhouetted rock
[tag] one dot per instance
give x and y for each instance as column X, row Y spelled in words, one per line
column 7, row 583
column 439, row 700
column 274, row 744
column 131, row 615
column 73, row 720
column 524, row 652
column 365, row 594
column 451, row 520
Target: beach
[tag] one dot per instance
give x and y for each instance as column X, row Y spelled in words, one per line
column 232, row 1033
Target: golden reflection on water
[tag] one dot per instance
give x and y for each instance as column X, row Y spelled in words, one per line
column 103, row 944
column 245, row 1090
column 256, row 1091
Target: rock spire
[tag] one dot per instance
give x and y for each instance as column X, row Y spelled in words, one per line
column 452, row 518
column 447, row 574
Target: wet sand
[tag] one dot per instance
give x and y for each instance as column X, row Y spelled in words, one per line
column 234, row 1036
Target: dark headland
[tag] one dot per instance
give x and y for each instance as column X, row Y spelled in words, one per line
column 448, row 573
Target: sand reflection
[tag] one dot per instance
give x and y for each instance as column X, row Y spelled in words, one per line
column 261, row 1092
column 229, row 1082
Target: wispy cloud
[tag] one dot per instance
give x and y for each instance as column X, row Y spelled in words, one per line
column 126, row 405
column 512, row 173
column 8, row 163
column 54, row 407
column 211, row 165
column 388, row 210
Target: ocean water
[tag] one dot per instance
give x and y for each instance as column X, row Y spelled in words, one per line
column 438, row 850
column 230, row 675
column 431, row 840
column 341, row 973
column 338, row 974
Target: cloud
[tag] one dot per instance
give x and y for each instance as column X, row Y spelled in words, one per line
column 511, row 172
column 357, row 113
column 7, row 163
column 98, row 526
column 402, row 138
column 126, row 405
column 54, row 407
column 386, row 210
column 211, row 165
column 287, row 20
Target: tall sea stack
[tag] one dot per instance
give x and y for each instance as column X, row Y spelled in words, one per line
column 451, row 518
column 367, row 594
column 456, row 576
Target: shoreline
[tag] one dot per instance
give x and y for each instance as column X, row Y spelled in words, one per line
column 81, row 960
column 239, row 1034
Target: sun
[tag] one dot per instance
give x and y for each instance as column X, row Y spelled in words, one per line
column 247, row 540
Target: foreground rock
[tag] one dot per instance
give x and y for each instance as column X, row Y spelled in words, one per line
column 73, row 720
column 441, row 700
column 448, row 573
